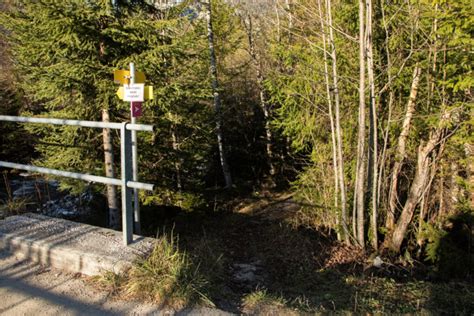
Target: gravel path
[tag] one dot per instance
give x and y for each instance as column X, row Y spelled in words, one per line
column 31, row 289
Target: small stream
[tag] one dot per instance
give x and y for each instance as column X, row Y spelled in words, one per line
column 20, row 193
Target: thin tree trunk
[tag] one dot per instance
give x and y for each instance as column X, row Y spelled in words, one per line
column 112, row 203
column 373, row 135
column 401, row 150
column 290, row 19
column 359, row 192
column 340, row 162
column 263, row 101
column 177, row 163
column 217, row 98
column 469, row 152
column 277, row 14
column 390, row 107
column 331, row 120
column 431, row 78
column 114, row 213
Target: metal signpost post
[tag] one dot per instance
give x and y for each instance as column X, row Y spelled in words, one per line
column 136, row 204
column 135, row 92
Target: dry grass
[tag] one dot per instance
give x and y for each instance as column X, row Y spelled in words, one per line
column 260, row 302
column 167, row 277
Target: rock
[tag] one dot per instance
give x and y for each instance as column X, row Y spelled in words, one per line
column 377, row 262
column 247, row 274
column 245, row 277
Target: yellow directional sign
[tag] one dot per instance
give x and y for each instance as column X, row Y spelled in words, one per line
column 148, row 93
column 123, row 76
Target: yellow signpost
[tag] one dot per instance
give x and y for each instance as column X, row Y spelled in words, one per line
column 123, row 76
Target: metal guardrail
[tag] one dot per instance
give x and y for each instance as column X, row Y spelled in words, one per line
column 126, row 180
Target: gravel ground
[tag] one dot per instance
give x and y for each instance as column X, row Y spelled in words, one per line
column 31, row 289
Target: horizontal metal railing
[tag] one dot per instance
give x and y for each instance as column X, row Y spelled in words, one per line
column 126, row 181
column 92, row 124
column 78, row 176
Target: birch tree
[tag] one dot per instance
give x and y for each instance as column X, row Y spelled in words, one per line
column 216, row 94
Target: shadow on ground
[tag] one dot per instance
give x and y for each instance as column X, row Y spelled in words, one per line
column 255, row 256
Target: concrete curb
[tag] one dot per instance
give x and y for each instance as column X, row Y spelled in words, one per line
column 70, row 246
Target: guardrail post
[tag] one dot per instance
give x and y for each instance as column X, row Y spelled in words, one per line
column 126, row 171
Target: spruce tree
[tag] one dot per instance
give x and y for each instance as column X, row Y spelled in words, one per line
column 66, row 52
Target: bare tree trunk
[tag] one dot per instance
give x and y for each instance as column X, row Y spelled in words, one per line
column 401, row 150
column 263, row 101
column 177, row 163
column 469, row 152
column 277, row 14
column 373, row 135
column 114, row 213
column 340, row 162
column 360, row 168
column 288, row 8
column 418, row 185
column 217, row 98
column 390, row 107
column 112, row 203
column 331, row 120
column 434, row 50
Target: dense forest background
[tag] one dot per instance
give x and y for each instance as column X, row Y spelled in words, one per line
column 363, row 110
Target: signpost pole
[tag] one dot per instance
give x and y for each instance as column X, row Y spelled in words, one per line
column 136, row 203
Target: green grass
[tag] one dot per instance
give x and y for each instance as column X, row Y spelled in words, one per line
column 262, row 297
column 167, row 276
column 13, row 207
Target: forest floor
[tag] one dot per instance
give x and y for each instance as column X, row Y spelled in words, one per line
column 258, row 261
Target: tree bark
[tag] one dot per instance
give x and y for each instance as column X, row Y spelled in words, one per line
column 340, row 160
column 112, row 203
column 391, row 94
column 418, row 185
column 331, row 120
column 177, row 163
column 114, row 213
column 217, row 98
column 401, row 150
column 263, row 100
column 373, row 135
column 359, row 192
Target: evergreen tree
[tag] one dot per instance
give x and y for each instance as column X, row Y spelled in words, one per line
column 66, row 53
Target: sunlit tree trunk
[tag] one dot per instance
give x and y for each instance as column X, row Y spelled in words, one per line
column 359, row 190
column 256, row 58
column 217, row 98
column 418, row 184
column 340, row 160
column 177, row 163
column 373, row 135
column 112, row 203
column 331, row 120
column 401, row 150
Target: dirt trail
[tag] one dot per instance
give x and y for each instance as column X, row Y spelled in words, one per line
column 31, row 289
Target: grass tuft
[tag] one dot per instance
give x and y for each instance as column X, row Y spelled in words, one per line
column 12, row 207
column 262, row 302
column 167, row 277
column 109, row 281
